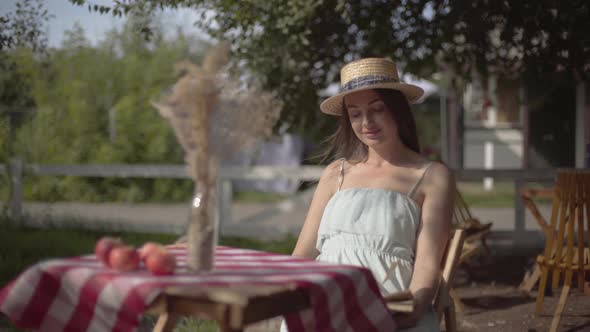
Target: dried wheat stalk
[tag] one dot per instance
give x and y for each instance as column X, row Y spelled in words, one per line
column 213, row 117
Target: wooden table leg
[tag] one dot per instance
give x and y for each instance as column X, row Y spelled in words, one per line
column 226, row 326
column 166, row 322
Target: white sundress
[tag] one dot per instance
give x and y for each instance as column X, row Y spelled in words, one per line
column 374, row 228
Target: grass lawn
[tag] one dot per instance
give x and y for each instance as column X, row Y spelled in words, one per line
column 21, row 247
column 489, row 200
column 501, row 196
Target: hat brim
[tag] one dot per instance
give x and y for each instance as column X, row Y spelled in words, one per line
column 334, row 105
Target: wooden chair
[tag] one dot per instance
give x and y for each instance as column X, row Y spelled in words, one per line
column 476, row 232
column 567, row 249
column 528, row 197
column 444, row 300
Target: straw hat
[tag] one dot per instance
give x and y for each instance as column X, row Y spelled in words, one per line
column 365, row 74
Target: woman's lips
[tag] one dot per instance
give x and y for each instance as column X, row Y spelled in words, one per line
column 371, row 133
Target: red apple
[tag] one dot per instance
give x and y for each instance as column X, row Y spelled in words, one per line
column 149, row 248
column 124, row 258
column 103, row 248
column 160, row 262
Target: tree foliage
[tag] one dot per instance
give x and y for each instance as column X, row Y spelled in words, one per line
column 92, row 105
column 89, row 99
column 296, row 47
column 23, row 49
column 25, row 26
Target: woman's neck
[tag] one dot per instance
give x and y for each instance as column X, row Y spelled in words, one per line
column 394, row 154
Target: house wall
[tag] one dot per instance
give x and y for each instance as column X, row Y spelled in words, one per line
column 505, row 146
column 493, row 136
column 558, row 122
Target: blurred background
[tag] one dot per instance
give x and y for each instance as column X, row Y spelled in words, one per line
column 83, row 153
column 505, row 90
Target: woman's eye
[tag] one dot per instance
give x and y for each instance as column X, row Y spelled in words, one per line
column 379, row 109
column 355, row 115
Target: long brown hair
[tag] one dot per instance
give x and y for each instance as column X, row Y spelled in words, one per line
column 345, row 144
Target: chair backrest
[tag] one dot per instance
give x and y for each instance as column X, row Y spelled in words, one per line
column 449, row 266
column 570, row 221
column 461, row 215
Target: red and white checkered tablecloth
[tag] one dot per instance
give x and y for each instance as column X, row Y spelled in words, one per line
column 80, row 294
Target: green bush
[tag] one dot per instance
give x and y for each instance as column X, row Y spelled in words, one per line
column 92, row 106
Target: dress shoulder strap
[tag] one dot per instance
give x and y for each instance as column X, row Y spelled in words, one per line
column 341, row 174
column 411, row 193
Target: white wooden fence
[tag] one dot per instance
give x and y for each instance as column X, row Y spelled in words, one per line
column 302, row 173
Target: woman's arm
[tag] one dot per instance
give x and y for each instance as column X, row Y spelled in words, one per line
column 437, row 211
column 306, row 244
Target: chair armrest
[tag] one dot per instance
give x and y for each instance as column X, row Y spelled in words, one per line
column 405, row 306
column 400, row 296
column 400, row 302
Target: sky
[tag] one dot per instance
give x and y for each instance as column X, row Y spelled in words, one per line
column 96, row 25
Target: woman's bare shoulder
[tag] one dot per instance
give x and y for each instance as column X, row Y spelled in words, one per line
column 440, row 177
column 333, row 169
column 328, row 181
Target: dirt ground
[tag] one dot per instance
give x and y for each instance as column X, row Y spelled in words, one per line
column 502, row 308
column 488, row 288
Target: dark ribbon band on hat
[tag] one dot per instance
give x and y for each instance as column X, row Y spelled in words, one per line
column 363, row 81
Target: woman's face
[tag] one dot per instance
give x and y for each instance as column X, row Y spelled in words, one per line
column 371, row 120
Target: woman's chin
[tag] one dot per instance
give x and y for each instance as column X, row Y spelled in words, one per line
column 373, row 142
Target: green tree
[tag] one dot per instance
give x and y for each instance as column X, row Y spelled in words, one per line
column 23, row 49
column 93, row 106
column 296, row 47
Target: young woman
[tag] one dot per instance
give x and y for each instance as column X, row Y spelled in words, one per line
column 380, row 204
